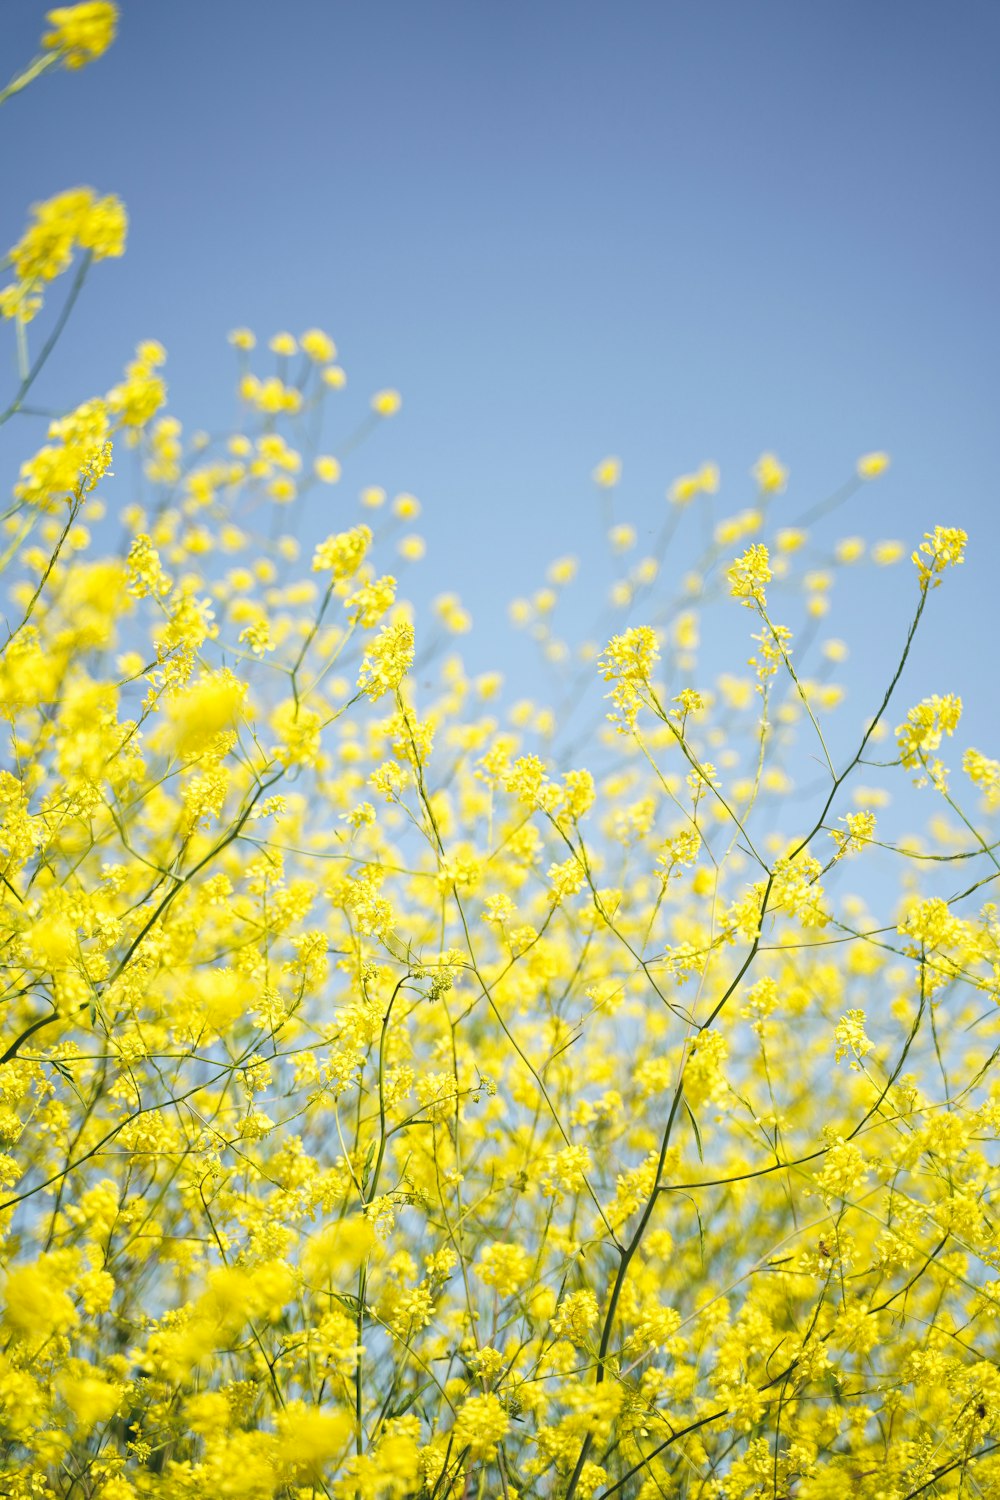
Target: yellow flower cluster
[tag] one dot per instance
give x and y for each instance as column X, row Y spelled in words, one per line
column 71, row 221
column 343, row 554
column 923, row 730
column 81, row 33
column 940, row 549
column 413, row 1086
column 705, row 481
column 748, row 575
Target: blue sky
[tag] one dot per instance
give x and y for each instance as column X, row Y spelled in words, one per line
column 670, row 231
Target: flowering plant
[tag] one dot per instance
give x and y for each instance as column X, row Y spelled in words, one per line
column 392, row 1104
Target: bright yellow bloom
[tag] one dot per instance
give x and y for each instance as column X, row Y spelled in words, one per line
column 622, row 537
column 75, row 459
column 480, row 1424
column 388, row 660
column 212, row 706
column 342, row 555
column 984, row 773
column 505, row 1267
column 386, row 403
column 81, row 33
column 309, row 1438
column 411, row 548
column 406, row 506
column 923, row 730
column 318, row 345
column 608, row 473
column 370, row 603
column 704, row 482
column 627, row 661
column 886, row 553
column 850, row 549
column 327, row 469
column 90, row 1398
column 74, row 220
column 562, row 570
column 37, row 1303
column 748, row 575
column 734, row 527
column 449, row 610
column 870, row 465
column 944, row 548
column 770, row 474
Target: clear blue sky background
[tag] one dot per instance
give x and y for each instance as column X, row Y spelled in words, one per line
column 670, row 231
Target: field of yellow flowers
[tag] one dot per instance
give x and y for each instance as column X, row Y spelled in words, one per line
column 392, row 1107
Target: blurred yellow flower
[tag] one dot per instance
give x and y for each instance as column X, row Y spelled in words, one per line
column 870, row 465
column 608, row 473
column 81, row 33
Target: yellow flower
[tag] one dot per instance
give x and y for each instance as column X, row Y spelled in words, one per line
column 327, row 469
column 309, row 1438
column 480, row 1424
column 925, row 725
column 622, row 537
column 705, row 481
column 212, row 706
column 562, row 570
column 73, row 220
column 944, row 548
column 850, row 549
column 336, row 1251
column 449, row 610
column 90, row 1399
column 870, row 465
column 505, row 1267
column 318, row 345
column 406, row 506
column 708, row 478
column 984, row 773
column 386, row 403
column 371, row 602
column 388, row 660
column 38, row 1304
column 81, row 33
column 342, row 555
column 748, row 575
column 608, row 473
column 73, row 462
column 770, row 474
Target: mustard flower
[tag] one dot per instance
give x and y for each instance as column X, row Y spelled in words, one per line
column 770, row 475
column 386, row 403
column 81, row 33
column 748, row 575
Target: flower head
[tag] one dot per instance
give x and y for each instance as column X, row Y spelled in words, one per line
column 81, row 33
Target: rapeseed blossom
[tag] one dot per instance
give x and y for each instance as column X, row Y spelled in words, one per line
column 71, row 221
column 81, row 33
column 416, row 1088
